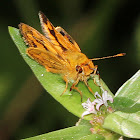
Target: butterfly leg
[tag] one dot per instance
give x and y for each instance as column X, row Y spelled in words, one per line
column 86, row 83
column 95, row 69
column 95, row 73
column 73, row 87
column 76, row 88
column 94, row 80
column 99, row 84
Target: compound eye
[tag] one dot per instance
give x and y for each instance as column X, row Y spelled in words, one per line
column 79, row 69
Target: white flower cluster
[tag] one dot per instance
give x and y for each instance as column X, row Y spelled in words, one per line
column 93, row 107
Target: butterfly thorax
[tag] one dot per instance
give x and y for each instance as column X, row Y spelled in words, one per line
column 80, row 66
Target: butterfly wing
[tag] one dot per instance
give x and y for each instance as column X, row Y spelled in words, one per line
column 34, row 39
column 58, row 36
column 48, row 60
column 42, row 50
column 68, row 38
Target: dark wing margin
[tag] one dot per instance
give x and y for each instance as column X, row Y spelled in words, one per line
column 56, row 37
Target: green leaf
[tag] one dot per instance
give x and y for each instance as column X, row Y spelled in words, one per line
column 54, row 83
column 127, row 98
column 126, row 124
column 81, row 132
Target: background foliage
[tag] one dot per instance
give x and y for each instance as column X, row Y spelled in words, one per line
column 100, row 28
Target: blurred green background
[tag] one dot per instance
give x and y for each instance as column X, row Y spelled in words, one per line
column 101, row 28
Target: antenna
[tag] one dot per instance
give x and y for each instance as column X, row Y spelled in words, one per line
column 117, row 55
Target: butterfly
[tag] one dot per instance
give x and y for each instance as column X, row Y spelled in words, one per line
column 57, row 51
